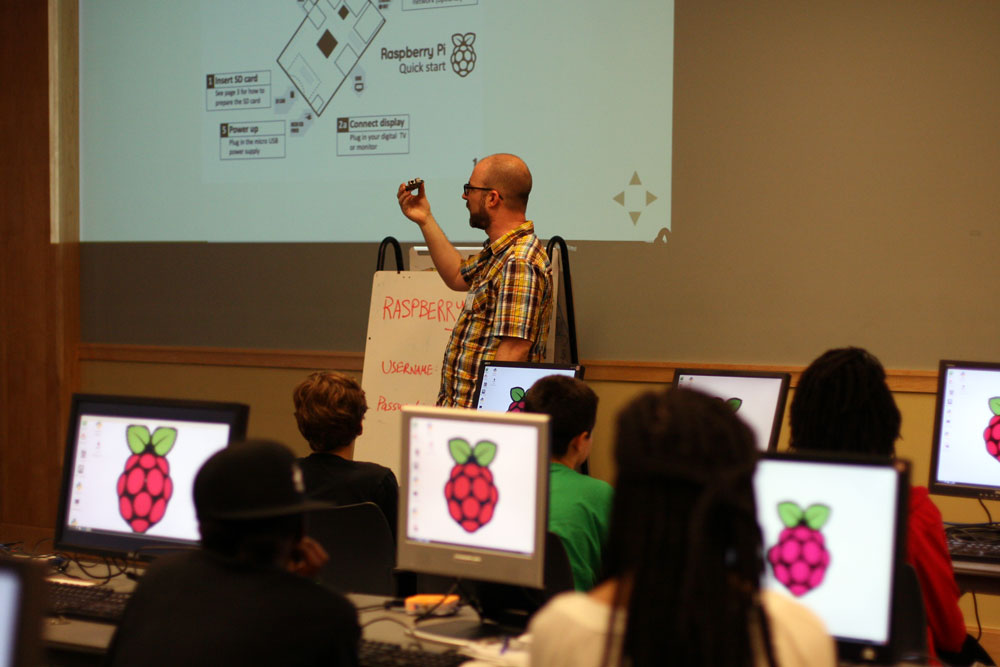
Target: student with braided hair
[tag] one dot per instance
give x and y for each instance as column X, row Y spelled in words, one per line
column 684, row 556
column 843, row 404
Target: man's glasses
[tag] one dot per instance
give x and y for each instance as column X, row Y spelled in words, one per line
column 466, row 188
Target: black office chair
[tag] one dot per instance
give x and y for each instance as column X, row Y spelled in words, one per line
column 909, row 626
column 360, row 545
column 558, row 573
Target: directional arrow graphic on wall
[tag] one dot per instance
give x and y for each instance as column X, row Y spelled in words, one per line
column 635, row 198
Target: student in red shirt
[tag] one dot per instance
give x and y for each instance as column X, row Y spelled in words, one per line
column 842, row 403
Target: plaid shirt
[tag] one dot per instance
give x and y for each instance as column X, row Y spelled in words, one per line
column 510, row 295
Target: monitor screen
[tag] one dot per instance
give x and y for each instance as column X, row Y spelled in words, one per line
column 129, row 468
column 757, row 397
column 834, row 534
column 965, row 459
column 474, row 497
column 11, row 599
column 502, row 384
column 21, row 603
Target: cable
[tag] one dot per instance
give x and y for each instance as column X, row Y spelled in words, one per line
column 386, row 618
column 107, row 562
column 985, row 509
column 11, row 548
column 979, row 625
column 976, row 533
column 34, row 549
column 406, row 626
column 430, row 612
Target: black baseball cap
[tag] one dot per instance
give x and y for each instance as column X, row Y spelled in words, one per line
column 255, row 479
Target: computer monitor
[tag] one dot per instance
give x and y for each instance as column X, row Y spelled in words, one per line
column 129, row 469
column 21, row 605
column 834, row 532
column 474, row 498
column 758, row 397
column 965, row 459
column 501, row 385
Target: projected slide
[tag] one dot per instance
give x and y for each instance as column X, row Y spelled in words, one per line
column 295, row 120
column 315, row 60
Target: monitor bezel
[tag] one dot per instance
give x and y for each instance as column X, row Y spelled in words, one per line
column 470, row 562
column 855, row 650
column 115, row 544
column 934, row 484
column 28, row 610
column 577, row 368
column 779, row 413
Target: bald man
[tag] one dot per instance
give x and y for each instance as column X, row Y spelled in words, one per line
column 509, row 283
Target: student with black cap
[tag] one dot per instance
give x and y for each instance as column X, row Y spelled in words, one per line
column 239, row 599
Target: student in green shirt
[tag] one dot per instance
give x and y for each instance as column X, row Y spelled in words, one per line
column 579, row 505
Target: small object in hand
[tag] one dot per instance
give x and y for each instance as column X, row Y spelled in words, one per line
column 414, row 183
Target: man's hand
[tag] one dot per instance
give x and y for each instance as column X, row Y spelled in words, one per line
column 446, row 259
column 308, row 558
column 414, row 206
column 513, row 349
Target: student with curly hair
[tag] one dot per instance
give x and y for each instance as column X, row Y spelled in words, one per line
column 329, row 409
column 843, row 404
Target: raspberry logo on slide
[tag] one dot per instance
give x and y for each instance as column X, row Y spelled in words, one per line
column 470, row 491
column 800, row 558
column 463, row 56
column 992, row 433
column 517, row 400
column 144, row 488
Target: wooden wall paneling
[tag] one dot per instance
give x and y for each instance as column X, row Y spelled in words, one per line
column 64, row 197
column 662, row 372
column 39, row 321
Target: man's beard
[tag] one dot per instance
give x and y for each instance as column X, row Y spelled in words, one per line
column 478, row 220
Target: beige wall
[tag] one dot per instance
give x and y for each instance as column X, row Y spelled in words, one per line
column 268, row 392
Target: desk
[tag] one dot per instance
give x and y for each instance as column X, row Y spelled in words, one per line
column 977, row 576
column 75, row 642
column 72, row 641
column 395, row 625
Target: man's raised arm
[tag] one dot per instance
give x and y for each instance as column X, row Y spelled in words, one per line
column 446, row 258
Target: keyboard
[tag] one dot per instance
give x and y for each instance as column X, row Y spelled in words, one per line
column 384, row 654
column 100, row 603
column 976, row 543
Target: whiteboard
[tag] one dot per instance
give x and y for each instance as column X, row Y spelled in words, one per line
column 410, row 319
